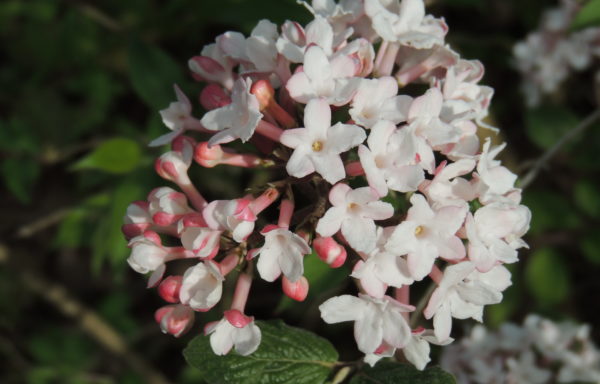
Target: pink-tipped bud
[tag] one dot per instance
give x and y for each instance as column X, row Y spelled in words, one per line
column 205, row 68
column 173, row 165
column 213, row 96
column 263, row 201
column 264, row 92
column 330, row 251
column 134, row 229
column 169, row 289
column 296, row 291
column 237, row 318
column 153, row 237
column 211, row 156
column 175, row 319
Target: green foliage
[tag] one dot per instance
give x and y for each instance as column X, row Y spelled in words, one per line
column 19, row 176
column 590, row 246
column 587, row 198
column 395, row 373
column 547, row 277
column 153, row 73
column 117, row 155
column 550, row 210
column 588, row 16
column 546, row 124
column 286, row 355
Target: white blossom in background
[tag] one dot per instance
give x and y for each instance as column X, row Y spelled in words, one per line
column 540, row 351
column 350, row 165
column 549, row 55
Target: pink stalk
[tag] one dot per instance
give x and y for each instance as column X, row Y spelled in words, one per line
column 269, row 130
column 380, row 54
column 191, row 192
column 211, row 156
column 176, row 253
column 242, row 289
column 263, row 201
column 403, row 296
column 193, row 124
column 229, row 263
column 436, row 275
column 387, row 63
column 354, row 169
column 285, row 213
column 265, row 94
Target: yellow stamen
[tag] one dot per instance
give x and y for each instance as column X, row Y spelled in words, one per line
column 317, row 146
column 418, row 230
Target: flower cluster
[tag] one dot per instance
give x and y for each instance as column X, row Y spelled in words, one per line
column 320, row 108
column 541, row 351
column 547, row 57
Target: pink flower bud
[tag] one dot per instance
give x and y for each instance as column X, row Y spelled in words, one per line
column 265, row 94
column 213, row 97
column 205, row 68
column 210, row 156
column 175, row 319
column 237, row 318
column 330, row 251
column 296, row 291
column 169, row 289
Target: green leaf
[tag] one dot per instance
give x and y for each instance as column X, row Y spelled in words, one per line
column 586, row 198
column 153, row 73
column 590, row 246
column 395, row 373
column 285, row 355
column 19, row 176
column 588, row 16
column 547, row 278
column 118, row 155
column 546, row 124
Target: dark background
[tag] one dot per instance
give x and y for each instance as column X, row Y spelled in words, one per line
column 81, row 83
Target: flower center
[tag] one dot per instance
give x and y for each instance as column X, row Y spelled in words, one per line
column 317, row 146
column 353, row 207
column 419, row 230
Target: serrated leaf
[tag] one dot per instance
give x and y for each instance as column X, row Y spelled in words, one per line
column 545, row 125
column 153, row 73
column 395, row 373
column 588, row 16
column 547, row 278
column 118, row 155
column 286, row 355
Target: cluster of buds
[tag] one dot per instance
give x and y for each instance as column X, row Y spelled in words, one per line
column 320, row 107
column 549, row 55
column 541, row 351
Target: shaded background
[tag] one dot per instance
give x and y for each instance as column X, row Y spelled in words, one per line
column 81, row 84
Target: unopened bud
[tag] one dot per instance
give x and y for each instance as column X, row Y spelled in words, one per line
column 213, row 97
column 169, row 289
column 175, row 319
column 211, row 156
column 297, row 290
column 330, row 251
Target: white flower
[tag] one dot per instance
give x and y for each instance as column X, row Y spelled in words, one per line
column 353, row 211
column 294, row 39
column 427, row 234
column 495, row 179
column 283, row 252
column 375, row 320
column 230, row 215
column 318, row 146
column 462, row 293
column 258, row 51
column 146, row 255
column 330, row 79
column 382, row 167
column 177, row 116
column 378, row 99
column 494, row 234
column 447, row 188
column 237, row 120
column 417, row 349
column 202, row 286
column 234, row 330
column 381, row 268
column 405, row 23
